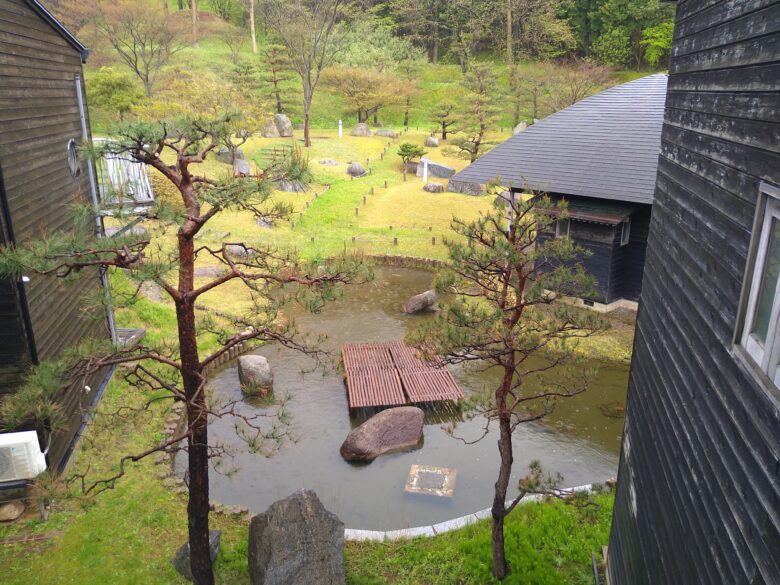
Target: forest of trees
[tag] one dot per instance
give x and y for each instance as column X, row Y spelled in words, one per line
column 620, row 33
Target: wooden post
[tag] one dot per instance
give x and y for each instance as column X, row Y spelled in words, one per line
column 353, row 239
column 364, row 199
column 433, row 241
column 356, row 212
column 430, row 228
column 312, row 239
column 391, row 228
column 395, row 241
column 385, row 183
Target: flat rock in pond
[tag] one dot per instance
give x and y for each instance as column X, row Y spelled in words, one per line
column 423, row 302
column 283, row 125
column 10, row 511
column 255, row 375
column 296, row 541
column 391, row 430
column 361, row 129
column 181, row 561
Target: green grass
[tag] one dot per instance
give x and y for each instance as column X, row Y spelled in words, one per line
column 546, row 544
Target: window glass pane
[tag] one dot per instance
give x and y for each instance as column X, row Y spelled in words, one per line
column 766, row 293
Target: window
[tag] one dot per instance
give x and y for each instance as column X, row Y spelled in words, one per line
column 74, row 162
column 625, row 234
column 761, row 331
column 562, row 228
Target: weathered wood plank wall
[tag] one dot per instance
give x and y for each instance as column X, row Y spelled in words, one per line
column 39, row 114
column 698, row 496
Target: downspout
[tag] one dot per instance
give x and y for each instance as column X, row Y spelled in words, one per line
column 96, row 206
column 25, row 307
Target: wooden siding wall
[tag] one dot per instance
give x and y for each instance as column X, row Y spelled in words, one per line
column 39, row 114
column 13, row 345
column 628, row 261
column 698, row 495
column 597, row 264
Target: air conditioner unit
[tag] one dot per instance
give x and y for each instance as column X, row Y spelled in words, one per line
column 20, row 456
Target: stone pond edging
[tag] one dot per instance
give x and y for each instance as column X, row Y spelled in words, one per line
column 407, row 261
column 358, row 535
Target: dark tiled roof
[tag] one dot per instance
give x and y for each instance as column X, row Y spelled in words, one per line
column 604, row 146
column 59, row 27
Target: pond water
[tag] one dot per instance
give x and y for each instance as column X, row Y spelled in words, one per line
column 578, row 440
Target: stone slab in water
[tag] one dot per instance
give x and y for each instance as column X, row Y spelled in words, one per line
column 434, row 169
column 394, row 429
column 296, row 541
column 255, row 375
column 425, row 301
column 181, row 561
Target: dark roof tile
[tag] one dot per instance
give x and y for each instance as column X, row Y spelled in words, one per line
column 603, row 146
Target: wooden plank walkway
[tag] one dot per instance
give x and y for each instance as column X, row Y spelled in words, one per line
column 391, row 374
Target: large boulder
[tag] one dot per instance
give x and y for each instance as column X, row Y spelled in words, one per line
column 386, row 133
column 431, row 142
column 11, row 511
column 391, row 430
column 269, row 130
column 425, row 301
column 283, row 125
column 435, row 169
column 289, row 186
column 465, row 187
column 255, row 375
column 355, row 169
column 296, row 541
column 361, row 129
column 241, row 168
column 224, row 155
column 434, row 188
column 181, row 561
column 239, row 250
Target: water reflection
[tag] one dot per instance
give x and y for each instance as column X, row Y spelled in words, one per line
column 577, row 440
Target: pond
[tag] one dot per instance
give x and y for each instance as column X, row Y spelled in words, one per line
column 580, row 440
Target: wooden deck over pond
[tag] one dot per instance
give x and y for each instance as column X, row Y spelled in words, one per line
column 392, row 374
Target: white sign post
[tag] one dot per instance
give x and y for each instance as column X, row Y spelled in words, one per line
column 425, row 171
column 341, row 130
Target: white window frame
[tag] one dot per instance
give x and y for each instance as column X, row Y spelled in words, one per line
column 625, row 233
column 559, row 233
column 766, row 358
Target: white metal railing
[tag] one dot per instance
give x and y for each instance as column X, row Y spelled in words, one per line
column 122, row 181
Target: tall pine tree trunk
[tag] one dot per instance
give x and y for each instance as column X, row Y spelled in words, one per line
column 252, row 28
column 499, row 498
column 197, row 440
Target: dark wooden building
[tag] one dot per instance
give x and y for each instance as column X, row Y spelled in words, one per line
column 43, row 120
column 698, row 493
column 601, row 156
